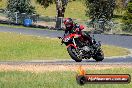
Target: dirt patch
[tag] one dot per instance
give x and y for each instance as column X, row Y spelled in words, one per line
column 44, row 68
column 3, row 18
column 42, row 23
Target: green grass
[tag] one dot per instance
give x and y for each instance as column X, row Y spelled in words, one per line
column 20, row 26
column 74, row 9
column 13, row 26
column 2, row 15
column 62, row 79
column 23, row 47
column 114, row 51
column 20, row 47
column 3, row 4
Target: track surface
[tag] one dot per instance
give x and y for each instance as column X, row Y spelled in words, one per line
column 117, row 40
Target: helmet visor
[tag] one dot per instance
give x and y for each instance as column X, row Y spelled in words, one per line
column 68, row 25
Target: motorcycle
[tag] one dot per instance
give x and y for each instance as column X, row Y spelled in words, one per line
column 79, row 49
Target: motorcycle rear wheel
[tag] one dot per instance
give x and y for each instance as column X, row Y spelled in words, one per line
column 72, row 54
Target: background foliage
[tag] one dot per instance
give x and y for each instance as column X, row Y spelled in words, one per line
column 20, row 6
column 100, row 8
column 127, row 18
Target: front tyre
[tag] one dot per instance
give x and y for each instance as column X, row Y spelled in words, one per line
column 99, row 56
column 71, row 50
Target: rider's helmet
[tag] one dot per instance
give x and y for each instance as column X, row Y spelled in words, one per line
column 68, row 22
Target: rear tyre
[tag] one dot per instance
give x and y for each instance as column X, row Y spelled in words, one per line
column 99, row 56
column 72, row 54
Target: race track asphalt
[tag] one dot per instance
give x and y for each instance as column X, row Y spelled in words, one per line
column 117, row 40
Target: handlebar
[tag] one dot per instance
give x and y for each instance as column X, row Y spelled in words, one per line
column 59, row 37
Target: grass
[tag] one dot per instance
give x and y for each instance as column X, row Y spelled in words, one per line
column 23, row 47
column 3, row 4
column 21, row 26
column 62, row 79
column 13, row 26
column 19, row 47
column 114, row 51
column 2, row 15
column 74, row 9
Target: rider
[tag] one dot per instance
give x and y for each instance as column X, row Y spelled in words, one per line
column 72, row 27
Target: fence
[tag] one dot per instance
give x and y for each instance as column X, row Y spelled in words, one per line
column 17, row 17
column 50, row 22
column 7, row 17
column 109, row 26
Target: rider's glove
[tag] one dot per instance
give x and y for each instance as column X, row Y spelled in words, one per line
column 77, row 30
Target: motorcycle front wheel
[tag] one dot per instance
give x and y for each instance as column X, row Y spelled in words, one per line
column 71, row 50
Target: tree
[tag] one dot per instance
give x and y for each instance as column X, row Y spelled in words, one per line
column 100, row 11
column 127, row 19
column 128, row 14
column 45, row 3
column 100, row 8
column 19, row 6
column 60, row 9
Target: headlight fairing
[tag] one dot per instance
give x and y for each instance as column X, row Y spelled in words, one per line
column 66, row 39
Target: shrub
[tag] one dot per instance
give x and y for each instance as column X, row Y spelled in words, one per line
column 20, row 6
column 127, row 19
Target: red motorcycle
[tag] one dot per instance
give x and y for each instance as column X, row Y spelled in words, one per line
column 79, row 49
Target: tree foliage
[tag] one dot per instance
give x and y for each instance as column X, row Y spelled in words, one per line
column 127, row 19
column 100, row 8
column 46, row 3
column 60, row 5
column 60, row 9
column 20, row 6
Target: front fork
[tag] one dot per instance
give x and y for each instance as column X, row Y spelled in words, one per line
column 74, row 42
